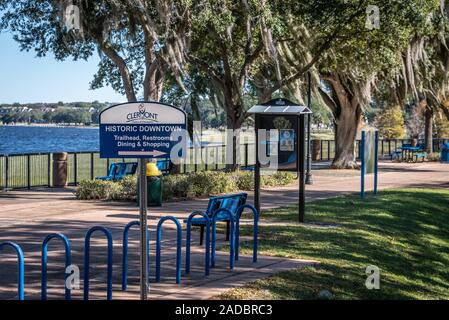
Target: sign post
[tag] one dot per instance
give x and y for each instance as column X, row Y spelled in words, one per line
column 143, row 204
column 142, row 130
column 368, row 157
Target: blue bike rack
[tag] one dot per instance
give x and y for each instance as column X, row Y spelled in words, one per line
column 231, row 237
column 125, row 253
column 108, row 235
column 178, row 248
column 255, row 230
column 20, row 267
column 188, row 240
column 68, row 262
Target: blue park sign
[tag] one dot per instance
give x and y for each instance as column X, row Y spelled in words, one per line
column 140, row 130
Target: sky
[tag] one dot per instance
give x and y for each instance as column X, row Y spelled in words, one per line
column 25, row 78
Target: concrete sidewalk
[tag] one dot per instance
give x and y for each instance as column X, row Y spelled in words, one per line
column 40, row 205
column 26, row 217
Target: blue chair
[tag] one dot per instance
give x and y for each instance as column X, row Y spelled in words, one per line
column 118, row 170
column 231, row 202
column 126, row 169
column 164, row 166
column 111, row 173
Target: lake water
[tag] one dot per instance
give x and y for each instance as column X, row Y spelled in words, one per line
column 26, row 139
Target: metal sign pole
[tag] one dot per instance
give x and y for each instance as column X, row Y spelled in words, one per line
column 362, row 169
column 309, row 179
column 257, row 168
column 143, row 229
column 301, row 177
column 376, row 151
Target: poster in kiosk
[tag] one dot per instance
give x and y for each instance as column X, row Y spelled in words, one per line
column 142, row 130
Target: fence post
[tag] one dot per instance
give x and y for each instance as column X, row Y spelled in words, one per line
column 216, row 158
column 206, row 158
column 246, row 155
column 28, row 172
column 49, row 170
column 195, row 158
column 92, row 166
column 6, row 172
column 321, row 150
column 75, row 167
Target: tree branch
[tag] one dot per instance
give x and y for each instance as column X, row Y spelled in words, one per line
column 330, row 103
column 109, row 51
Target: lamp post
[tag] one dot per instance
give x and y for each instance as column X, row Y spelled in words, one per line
column 309, row 179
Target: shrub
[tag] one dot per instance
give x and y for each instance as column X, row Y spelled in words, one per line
column 244, row 180
column 181, row 186
column 128, row 188
column 92, row 189
column 277, row 179
column 434, row 156
column 175, row 186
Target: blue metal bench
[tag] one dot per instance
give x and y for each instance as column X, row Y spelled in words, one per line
column 231, row 202
column 164, row 166
column 118, row 170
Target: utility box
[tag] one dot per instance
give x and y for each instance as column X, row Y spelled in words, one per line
column 445, row 153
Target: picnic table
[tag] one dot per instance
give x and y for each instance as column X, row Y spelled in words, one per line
column 409, row 153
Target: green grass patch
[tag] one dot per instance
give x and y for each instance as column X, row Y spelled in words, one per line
column 403, row 232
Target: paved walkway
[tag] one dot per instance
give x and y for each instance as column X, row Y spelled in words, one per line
column 28, row 216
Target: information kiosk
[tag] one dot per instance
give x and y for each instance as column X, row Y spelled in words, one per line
column 280, row 132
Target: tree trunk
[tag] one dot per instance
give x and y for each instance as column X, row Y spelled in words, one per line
column 345, row 104
column 429, row 129
column 347, row 124
column 445, row 107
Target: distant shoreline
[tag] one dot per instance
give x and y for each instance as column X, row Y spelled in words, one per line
column 50, row 125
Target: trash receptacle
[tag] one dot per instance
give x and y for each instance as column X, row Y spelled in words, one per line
column 154, row 186
column 445, row 153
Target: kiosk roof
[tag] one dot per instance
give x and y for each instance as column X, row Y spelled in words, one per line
column 280, row 106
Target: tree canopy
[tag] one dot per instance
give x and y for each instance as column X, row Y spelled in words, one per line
column 230, row 54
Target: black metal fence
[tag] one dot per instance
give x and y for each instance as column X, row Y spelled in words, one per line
column 35, row 169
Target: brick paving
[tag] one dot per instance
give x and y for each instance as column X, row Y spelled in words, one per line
column 26, row 217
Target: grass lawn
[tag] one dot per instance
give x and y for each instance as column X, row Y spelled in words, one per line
column 403, row 232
